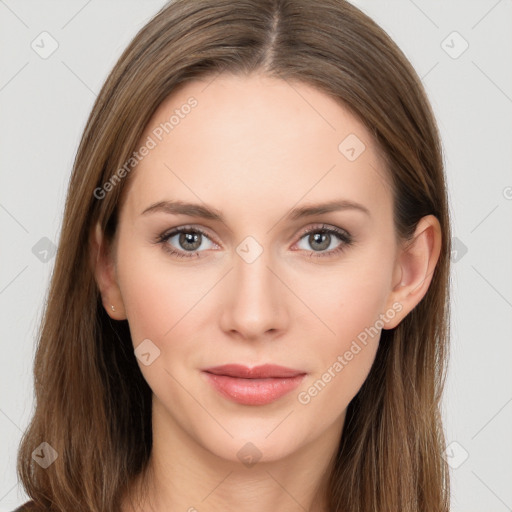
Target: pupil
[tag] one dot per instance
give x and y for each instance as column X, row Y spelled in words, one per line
column 317, row 238
column 190, row 238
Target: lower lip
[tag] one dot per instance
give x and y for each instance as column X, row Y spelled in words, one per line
column 253, row 391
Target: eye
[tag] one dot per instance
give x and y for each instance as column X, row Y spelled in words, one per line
column 189, row 242
column 183, row 240
column 324, row 237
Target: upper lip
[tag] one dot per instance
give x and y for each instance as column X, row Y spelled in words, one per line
column 257, row 372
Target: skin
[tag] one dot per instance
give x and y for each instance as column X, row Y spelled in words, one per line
column 254, row 148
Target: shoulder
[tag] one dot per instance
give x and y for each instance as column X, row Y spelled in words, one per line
column 26, row 507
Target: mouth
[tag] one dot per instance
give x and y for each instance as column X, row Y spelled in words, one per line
column 265, row 371
column 253, row 386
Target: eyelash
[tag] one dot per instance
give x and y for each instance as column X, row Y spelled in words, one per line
column 342, row 235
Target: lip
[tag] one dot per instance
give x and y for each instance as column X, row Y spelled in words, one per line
column 253, row 386
column 257, row 372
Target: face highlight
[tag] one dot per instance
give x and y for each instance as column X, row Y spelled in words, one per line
column 259, row 230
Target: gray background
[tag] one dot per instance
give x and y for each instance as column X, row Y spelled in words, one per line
column 44, row 103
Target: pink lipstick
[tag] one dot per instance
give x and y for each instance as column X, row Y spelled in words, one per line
column 253, row 386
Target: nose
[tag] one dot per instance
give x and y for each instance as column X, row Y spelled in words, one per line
column 254, row 306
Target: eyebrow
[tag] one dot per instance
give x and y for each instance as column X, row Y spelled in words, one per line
column 207, row 212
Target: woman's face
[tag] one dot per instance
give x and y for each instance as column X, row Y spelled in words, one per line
column 263, row 285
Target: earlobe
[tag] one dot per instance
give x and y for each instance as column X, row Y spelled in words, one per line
column 105, row 274
column 416, row 263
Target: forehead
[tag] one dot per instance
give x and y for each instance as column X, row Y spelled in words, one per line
column 250, row 142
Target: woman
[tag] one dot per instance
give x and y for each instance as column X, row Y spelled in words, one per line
column 249, row 306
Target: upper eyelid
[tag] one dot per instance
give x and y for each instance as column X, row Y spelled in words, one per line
column 325, row 227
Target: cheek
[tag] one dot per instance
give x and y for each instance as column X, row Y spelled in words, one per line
column 157, row 295
column 162, row 304
column 343, row 358
column 344, row 301
column 348, row 304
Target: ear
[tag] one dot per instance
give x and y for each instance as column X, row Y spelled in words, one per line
column 414, row 268
column 103, row 262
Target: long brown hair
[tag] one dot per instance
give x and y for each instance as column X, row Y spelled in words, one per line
column 93, row 405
